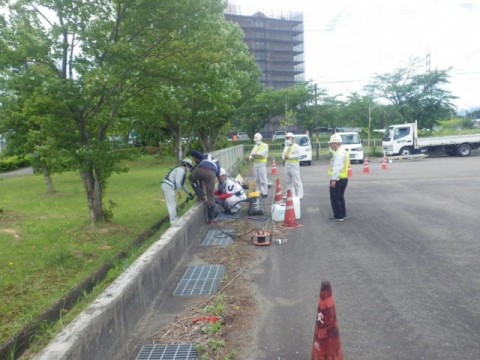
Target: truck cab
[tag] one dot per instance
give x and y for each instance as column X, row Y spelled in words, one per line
column 353, row 144
column 399, row 139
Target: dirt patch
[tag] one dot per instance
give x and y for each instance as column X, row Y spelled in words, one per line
column 234, row 303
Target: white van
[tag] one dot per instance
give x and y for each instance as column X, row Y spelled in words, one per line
column 353, row 144
column 303, row 141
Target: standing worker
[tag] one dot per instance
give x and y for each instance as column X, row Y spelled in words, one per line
column 291, row 157
column 205, row 172
column 173, row 182
column 338, row 173
column 259, row 155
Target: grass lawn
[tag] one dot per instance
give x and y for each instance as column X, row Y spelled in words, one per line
column 46, row 244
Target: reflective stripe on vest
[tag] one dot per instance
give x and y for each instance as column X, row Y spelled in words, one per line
column 261, row 148
column 289, row 152
column 346, row 163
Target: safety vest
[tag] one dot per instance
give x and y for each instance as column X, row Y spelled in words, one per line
column 288, row 151
column 257, row 149
column 346, row 163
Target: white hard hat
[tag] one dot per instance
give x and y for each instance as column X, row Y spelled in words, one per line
column 289, row 135
column 257, row 137
column 335, row 139
column 186, row 162
column 222, row 172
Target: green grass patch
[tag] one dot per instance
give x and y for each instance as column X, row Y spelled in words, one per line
column 48, row 246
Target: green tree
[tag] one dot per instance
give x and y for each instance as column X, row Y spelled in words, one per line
column 89, row 57
column 415, row 96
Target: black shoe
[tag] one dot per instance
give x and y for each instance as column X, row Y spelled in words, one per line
column 264, row 196
column 228, row 212
column 333, row 218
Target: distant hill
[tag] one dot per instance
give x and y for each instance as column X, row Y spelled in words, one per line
column 463, row 112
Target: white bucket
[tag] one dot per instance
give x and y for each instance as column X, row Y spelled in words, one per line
column 278, row 210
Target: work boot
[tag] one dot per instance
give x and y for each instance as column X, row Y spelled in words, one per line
column 212, row 213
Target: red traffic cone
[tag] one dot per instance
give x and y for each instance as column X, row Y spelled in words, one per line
column 289, row 220
column 350, row 172
column 274, row 167
column 384, row 163
column 366, row 166
column 278, row 192
column 326, row 338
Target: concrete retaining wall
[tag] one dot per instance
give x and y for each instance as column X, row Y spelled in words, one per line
column 99, row 331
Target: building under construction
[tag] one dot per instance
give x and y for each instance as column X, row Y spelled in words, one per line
column 276, row 42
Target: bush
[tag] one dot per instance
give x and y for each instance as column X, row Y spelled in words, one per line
column 10, row 163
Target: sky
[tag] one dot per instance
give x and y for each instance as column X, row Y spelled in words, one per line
column 348, row 42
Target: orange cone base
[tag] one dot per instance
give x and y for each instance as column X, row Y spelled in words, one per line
column 291, row 226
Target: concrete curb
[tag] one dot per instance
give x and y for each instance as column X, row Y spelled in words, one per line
column 106, row 324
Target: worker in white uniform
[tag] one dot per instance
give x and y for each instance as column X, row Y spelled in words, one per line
column 229, row 193
column 291, row 157
column 172, row 184
column 259, row 155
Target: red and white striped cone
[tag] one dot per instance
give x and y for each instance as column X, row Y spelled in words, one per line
column 274, row 168
column 384, row 163
column 290, row 219
column 366, row 166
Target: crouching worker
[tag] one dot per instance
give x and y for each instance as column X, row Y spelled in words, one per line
column 173, row 182
column 229, row 193
column 205, row 172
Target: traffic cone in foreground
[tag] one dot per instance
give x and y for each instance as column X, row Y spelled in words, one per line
column 290, row 220
column 366, row 166
column 384, row 163
column 274, row 167
column 350, row 172
column 326, row 338
column 278, row 192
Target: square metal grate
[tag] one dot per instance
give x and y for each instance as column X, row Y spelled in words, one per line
column 218, row 237
column 167, row 352
column 200, row 280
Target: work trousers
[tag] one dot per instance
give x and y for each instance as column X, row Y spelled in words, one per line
column 337, row 198
column 208, row 178
column 169, row 195
column 261, row 180
column 292, row 177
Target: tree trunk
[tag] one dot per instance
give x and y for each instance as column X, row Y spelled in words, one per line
column 94, row 190
column 48, row 179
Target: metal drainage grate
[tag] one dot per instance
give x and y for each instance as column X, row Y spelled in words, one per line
column 167, row 352
column 223, row 216
column 200, row 280
column 218, row 237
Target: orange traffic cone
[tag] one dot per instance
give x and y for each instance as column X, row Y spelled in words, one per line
column 278, row 192
column 289, row 220
column 384, row 163
column 350, row 172
column 274, row 167
column 366, row 166
column 326, row 338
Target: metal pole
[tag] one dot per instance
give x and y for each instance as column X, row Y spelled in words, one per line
column 369, row 122
column 317, row 141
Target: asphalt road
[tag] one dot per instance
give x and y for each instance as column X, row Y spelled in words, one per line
column 404, row 266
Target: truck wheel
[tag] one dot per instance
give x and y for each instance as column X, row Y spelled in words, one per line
column 464, row 150
column 405, row 151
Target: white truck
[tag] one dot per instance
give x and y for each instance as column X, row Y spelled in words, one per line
column 403, row 140
column 353, row 144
